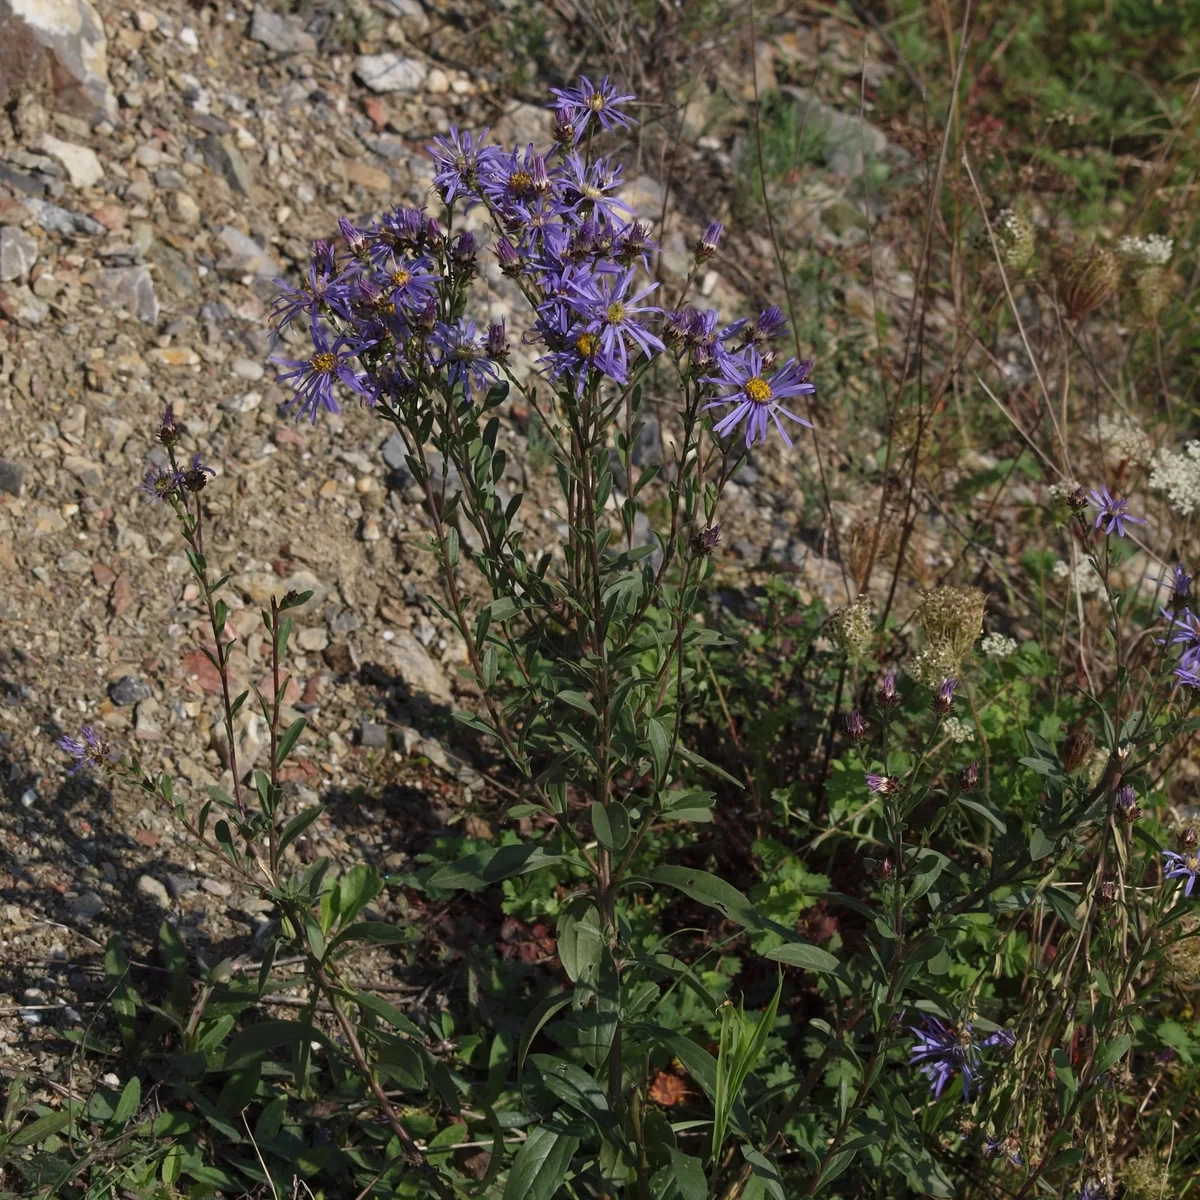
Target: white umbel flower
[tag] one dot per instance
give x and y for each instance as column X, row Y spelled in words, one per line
column 958, row 731
column 1124, row 440
column 1179, row 476
column 1154, row 250
column 996, row 645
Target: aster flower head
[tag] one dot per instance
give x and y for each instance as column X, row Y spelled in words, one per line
column 588, row 188
column 593, row 102
column 160, row 483
column 497, row 341
column 355, row 238
column 315, row 378
column 1182, row 866
column 855, row 725
column 1125, row 803
column 633, row 244
column 510, row 260
column 941, row 1050
column 511, row 179
column 1111, row 512
column 613, row 316
column 321, row 289
column 89, row 749
column 169, row 431
column 1181, row 585
column 1009, row 1146
column 463, row 355
column 882, row 785
column 706, row 541
column 1002, row 1039
column 756, row 398
column 968, row 778
column 195, row 477
column 409, row 282
column 457, row 159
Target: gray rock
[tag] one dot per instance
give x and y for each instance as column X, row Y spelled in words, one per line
column 848, row 141
column 18, row 253
column 280, row 33
column 12, row 477
column 81, row 163
column 344, row 622
column 245, row 256
column 23, row 306
column 217, row 887
column 130, row 288
column 152, row 890
column 181, row 885
column 59, row 46
column 395, row 453
column 222, row 155
column 129, row 690
column 314, row 638
column 419, row 673
column 390, row 72
column 394, row 149
column 174, row 271
column 146, row 723
column 247, row 368
column 372, row 735
column 54, row 219
column 412, row 16
column 86, row 907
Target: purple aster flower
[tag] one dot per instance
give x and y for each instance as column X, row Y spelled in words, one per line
column 633, row 244
column 1111, row 512
column 355, row 238
column 1125, row 803
column 497, row 341
column 161, row 482
column 321, row 291
column 463, row 355
column 457, row 159
column 1183, row 866
column 1093, row 1190
column 314, row 378
column 1181, row 583
column 510, row 260
column 587, row 188
column 194, row 477
column 566, row 122
column 409, row 282
column 587, row 101
column 1002, row 1039
column 882, row 785
column 940, row 1051
column 1009, row 1146
column 855, row 725
column 710, row 239
column 169, row 431
column 611, row 315
column 968, row 778
column 400, row 230
column 756, row 398
column 88, row 750
column 512, row 179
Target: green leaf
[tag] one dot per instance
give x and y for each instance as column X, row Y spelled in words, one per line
column 804, row 955
column 536, row 1020
column 389, row 1012
column 580, row 940
column 577, row 700
column 298, row 824
column 540, row 1165
column 174, row 956
column 711, row 890
column 378, row 932
column 766, row 1172
column 1112, row 1053
column 611, row 824
column 403, row 1062
column 574, row 1087
column 127, row 1104
column 290, row 736
column 689, row 1176
column 986, row 811
column 42, row 1128
column 1039, row 844
column 356, row 889
column 266, row 1036
column 660, row 748
column 122, row 995
column 477, row 871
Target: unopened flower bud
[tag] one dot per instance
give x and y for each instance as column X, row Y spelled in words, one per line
column 464, row 248
column 705, row 542
column 968, row 777
column 710, row 239
column 168, row 428
column 884, row 869
column 1181, row 584
column 323, row 256
column 1106, row 893
column 943, row 698
column 426, row 320
column 882, row 785
column 1189, row 838
column 497, row 341
column 354, row 238
column 855, row 725
column 539, row 176
column 886, row 694
column 1078, row 501
column 433, row 233
column 1125, row 803
column 510, row 260
column 564, row 125
column 1077, row 748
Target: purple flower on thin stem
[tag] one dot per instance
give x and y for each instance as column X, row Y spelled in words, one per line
column 88, row 750
column 940, row 1051
column 1181, row 583
column 410, row 281
column 887, row 695
column 588, row 188
column 314, row 378
column 1183, row 866
column 463, row 355
column 756, row 398
column 161, row 482
column 1002, row 1039
column 882, row 785
column 1111, row 512
column 710, row 239
column 457, row 157
column 943, row 700
column 611, row 313
column 590, row 101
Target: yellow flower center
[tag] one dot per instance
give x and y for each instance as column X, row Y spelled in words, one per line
column 588, row 192
column 615, row 312
column 758, row 389
column 323, row 362
column 520, row 183
column 401, row 277
column 586, row 344
column 1193, row 864
column 596, row 103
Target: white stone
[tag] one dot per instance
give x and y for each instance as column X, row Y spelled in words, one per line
column 390, row 72
column 18, row 253
column 152, row 890
column 436, row 82
column 81, row 162
column 420, row 674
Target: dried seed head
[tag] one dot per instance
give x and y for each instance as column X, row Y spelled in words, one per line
column 1153, row 287
column 1106, row 893
column 1078, row 747
column 853, row 628
column 1189, row 838
column 1014, row 239
column 1086, row 279
column 951, row 618
column 1145, row 1178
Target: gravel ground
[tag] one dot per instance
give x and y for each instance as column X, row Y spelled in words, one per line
column 136, row 259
